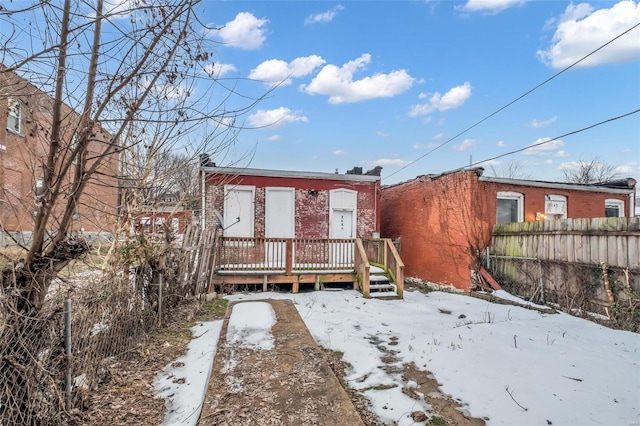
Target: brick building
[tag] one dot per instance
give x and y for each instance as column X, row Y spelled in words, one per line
column 291, row 204
column 445, row 221
column 26, row 119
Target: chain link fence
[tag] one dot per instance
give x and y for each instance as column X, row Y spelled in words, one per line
column 53, row 359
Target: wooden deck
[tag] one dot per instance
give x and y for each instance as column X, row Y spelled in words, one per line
column 241, row 262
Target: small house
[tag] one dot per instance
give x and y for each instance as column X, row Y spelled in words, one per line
column 290, row 227
column 445, row 221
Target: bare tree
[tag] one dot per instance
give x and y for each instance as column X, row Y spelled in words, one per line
column 512, row 170
column 590, row 171
column 126, row 82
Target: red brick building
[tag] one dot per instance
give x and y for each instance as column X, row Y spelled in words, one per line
column 445, row 221
column 290, row 204
column 25, row 120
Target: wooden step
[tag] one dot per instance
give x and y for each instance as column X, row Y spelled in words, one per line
column 382, row 287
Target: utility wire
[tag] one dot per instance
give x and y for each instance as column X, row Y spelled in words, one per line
column 516, row 100
column 547, row 141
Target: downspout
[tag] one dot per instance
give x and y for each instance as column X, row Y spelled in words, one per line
column 375, row 207
column 202, row 199
column 632, row 204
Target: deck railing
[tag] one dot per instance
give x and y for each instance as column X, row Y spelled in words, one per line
column 382, row 252
column 284, row 255
column 303, row 255
column 362, row 269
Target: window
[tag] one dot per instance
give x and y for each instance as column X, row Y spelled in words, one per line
column 15, row 116
column 73, row 146
column 39, row 186
column 510, row 207
column 613, row 208
column 555, row 207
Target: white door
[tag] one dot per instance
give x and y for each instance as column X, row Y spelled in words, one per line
column 342, row 228
column 238, row 211
column 279, row 222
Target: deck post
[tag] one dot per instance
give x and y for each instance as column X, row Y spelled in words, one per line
column 264, row 284
column 288, row 256
column 316, row 287
column 385, row 253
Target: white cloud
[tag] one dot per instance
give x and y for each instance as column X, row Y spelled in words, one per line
column 274, row 138
column 628, row 169
column 543, row 147
column 338, row 152
column 218, row 69
column 116, row 9
column 424, row 146
column 276, row 72
column 275, row 117
column 244, row 32
column 382, row 134
column 339, row 85
column 581, row 29
column 493, row 6
column 489, row 163
column 466, row 144
column 561, row 153
column 454, row 98
column 536, row 124
column 571, row 165
column 501, row 144
column 323, row 18
column 439, row 136
column 165, row 90
column 390, row 162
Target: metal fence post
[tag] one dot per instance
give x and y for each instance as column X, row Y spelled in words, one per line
column 160, row 285
column 67, row 351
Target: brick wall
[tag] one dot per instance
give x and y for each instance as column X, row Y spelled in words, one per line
column 443, row 222
column 311, row 208
column 22, row 157
column 580, row 204
column 435, row 221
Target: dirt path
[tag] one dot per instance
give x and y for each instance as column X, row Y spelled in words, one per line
column 299, row 383
column 291, row 384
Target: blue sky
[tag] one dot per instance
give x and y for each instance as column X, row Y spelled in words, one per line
column 366, row 83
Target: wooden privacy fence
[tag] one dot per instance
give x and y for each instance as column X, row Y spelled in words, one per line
column 580, row 261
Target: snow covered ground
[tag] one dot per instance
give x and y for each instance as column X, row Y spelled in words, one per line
column 507, row 364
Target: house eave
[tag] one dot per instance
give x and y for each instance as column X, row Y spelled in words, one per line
column 558, row 185
column 238, row 171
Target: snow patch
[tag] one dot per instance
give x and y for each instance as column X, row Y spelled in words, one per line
column 183, row 382
column 250, row 325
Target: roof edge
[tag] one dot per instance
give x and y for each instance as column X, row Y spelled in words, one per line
column 600, row 187
column 288, row 174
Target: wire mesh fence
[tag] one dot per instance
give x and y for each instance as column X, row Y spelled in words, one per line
column 108, row 316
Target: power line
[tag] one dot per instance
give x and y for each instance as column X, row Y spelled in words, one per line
column 549, row 140
column 516, row 100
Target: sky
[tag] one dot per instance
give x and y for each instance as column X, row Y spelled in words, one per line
column 413, row 86
column 497, row 360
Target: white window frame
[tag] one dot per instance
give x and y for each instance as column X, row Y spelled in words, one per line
column 15, row 113
column 614, row 202
column 510, row 195
column 74, row 144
